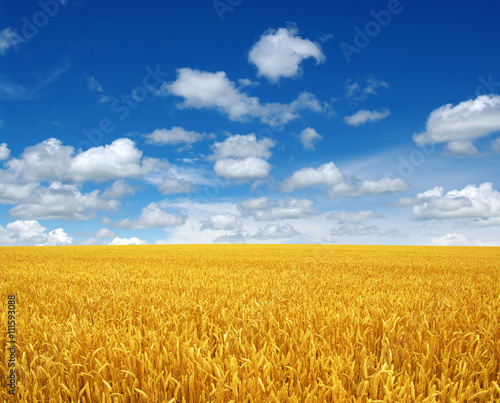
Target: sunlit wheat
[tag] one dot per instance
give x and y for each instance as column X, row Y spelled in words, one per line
column 254, row 323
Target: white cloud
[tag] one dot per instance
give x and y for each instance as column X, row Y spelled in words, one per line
column 11, row 193
column 246, row 82
column 385, row 185
column 359, row 90
column 379, row 187
column 340, row 185
column 127, row 241
column 354, row 229
column 120, row 159
column 9, row 38
column 118, row 190
column 172, row 185
column 275, row 231
column 262, row 209
column 242, row 157
column 363, row 116
column 221, row 222
column 459, row 126
column 326, row 174
column 105, row 233
column 236, row 237
column 175, row 135
column 202, row 89
column 152, row 217
column 30, row 232
column 279, row 53
column 64, row 202
column 242, row 169
column 4, row 151
column 470, row 202
column 243, row 146
column 343, row 216
column 94, row 85
column 309, row 137
column 52, row 161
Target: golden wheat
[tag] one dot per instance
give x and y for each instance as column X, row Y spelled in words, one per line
column 280, row 323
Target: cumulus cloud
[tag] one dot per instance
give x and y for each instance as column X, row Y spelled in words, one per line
column 11, row 193
column 243, row 146
column 359, row 90
column 172, row 185
column 364, row 116
column 152, row 217
column 201, row 90
column 118, row 190
column 127, row 241
column 242, row 157
column 31, row 233
column 471, row 202
column 262, row 209
column 275, row 231
column 221, row 222
column 52, row 161
column 326, row 174
column 120, row 159
column 279, row 53
column 174, row 136
column 4, row 151
column 340, row 185
column 236, row 237
column 243, row 168
column 343, row 216
column 461, row 125
column 64, row 202
column 379, row 187
column 309, row 137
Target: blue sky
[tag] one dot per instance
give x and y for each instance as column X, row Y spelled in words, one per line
column 368, row 122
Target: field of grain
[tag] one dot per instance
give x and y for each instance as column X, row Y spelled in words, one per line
column 253, row 323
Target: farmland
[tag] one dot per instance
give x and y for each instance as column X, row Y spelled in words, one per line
column 257, row 323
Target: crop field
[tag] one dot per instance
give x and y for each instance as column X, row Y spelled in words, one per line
column 252, row 323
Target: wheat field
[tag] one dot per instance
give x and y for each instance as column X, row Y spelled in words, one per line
column 253, row 323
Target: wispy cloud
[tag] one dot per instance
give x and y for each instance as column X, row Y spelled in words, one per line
column 9, row 38
column 364, row 116
column 11, row 90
